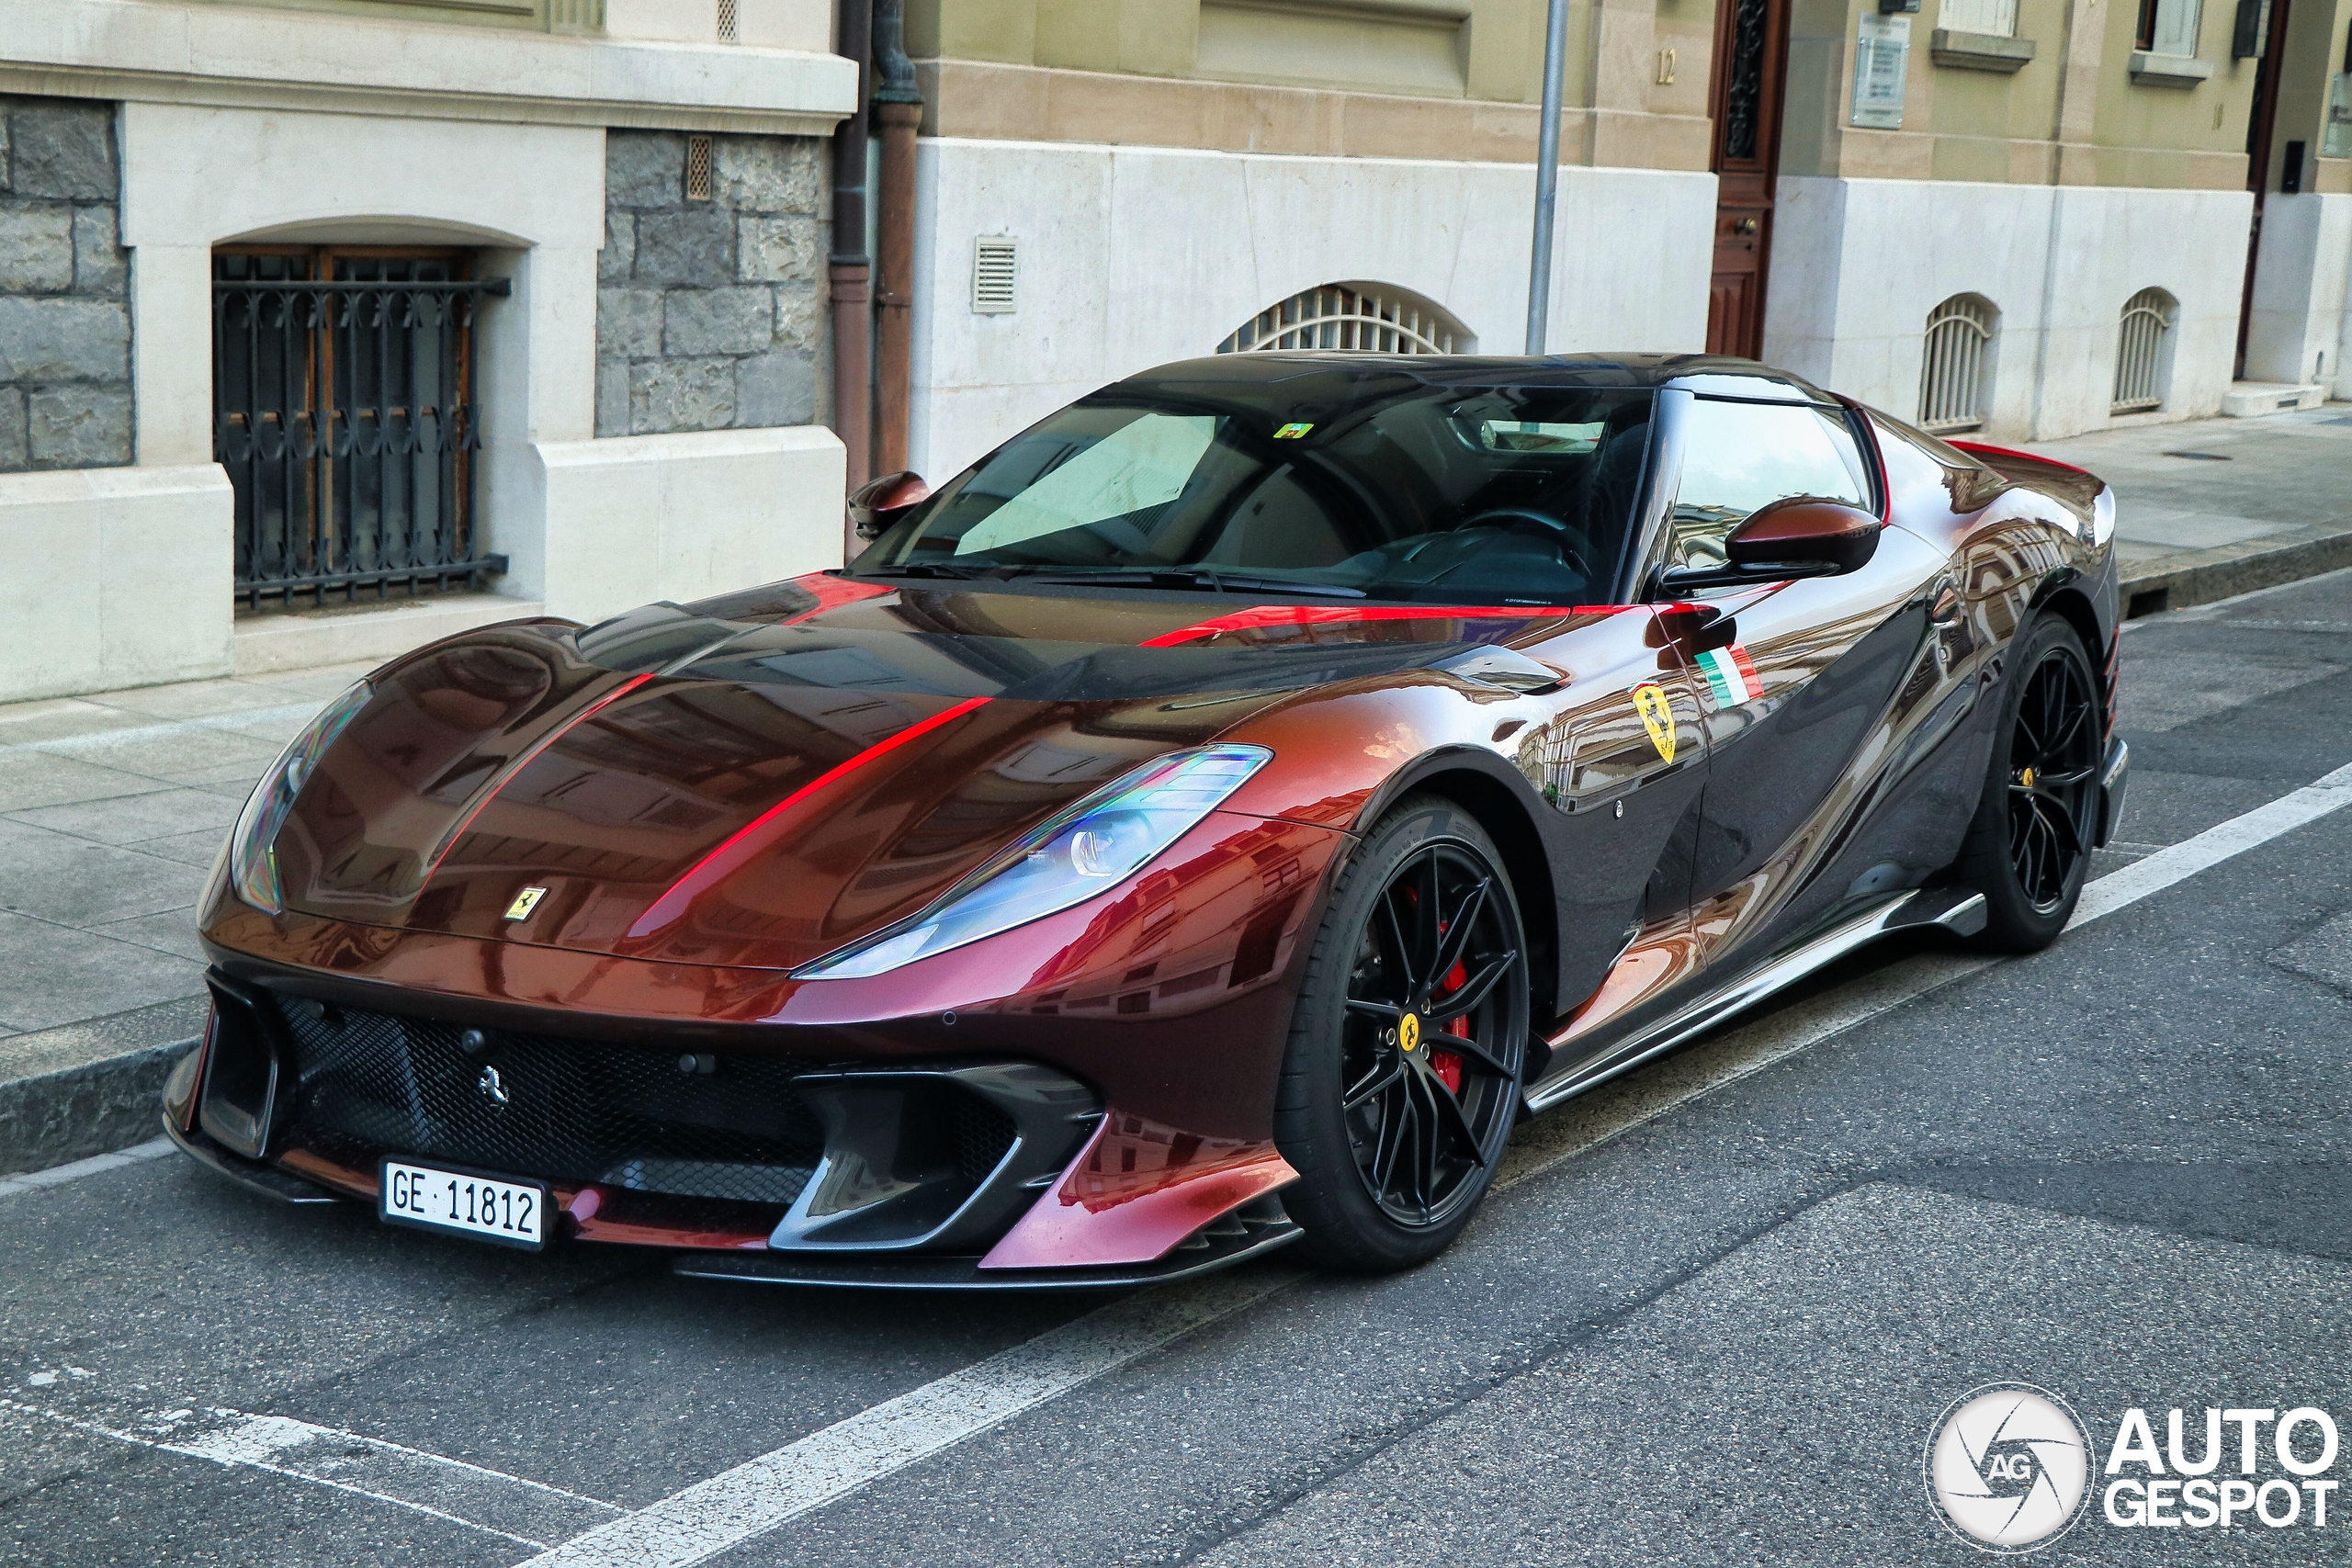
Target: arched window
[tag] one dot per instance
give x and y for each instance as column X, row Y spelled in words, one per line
column 1364, row 318
column 2144, row 351
column 1956, row 376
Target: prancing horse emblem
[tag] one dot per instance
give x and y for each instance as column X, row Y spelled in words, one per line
column 492, row 1087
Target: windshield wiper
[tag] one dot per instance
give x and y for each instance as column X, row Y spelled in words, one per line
column 1195, row 577
column 930, row 569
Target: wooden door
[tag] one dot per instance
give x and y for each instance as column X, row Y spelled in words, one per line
column 1751, row 48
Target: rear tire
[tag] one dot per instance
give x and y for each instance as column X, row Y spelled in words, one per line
column 1401, row 1079
column 2029, row 845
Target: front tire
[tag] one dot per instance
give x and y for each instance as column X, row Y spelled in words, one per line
column 2030, row 842
column 1401, row 1079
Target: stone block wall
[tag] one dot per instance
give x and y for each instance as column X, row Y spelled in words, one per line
column 64, row 288
column 711, row 315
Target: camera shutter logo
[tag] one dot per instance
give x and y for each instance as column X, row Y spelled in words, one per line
column 2007, row 1467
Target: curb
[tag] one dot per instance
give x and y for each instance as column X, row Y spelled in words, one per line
column 2176, row 583
column 85, row 1089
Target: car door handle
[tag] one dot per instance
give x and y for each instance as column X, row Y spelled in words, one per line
column 1946, row 607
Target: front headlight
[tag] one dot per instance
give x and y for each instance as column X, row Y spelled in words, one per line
column 1082, row 850
column 252, row 855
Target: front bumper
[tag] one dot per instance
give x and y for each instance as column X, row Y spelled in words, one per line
column 936, row 1174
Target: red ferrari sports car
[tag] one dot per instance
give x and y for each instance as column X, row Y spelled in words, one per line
column 1209, row 822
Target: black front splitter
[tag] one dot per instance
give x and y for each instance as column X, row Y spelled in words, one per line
column 917, row 1272
column 251, row 1174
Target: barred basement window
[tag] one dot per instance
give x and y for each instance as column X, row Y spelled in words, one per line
column 1350, row 318
column 995, row 267
column 342, row 385
column 697, row 168
column 1955, row 379
column 2139, row 357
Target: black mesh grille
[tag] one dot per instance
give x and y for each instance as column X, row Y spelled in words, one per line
column 983, row 1133
column 576, row 1110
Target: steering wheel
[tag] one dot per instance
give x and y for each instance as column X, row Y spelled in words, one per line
column 1569, row 538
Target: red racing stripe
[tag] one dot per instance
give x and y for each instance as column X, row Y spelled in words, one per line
column 753, row 837
column 1338, row 615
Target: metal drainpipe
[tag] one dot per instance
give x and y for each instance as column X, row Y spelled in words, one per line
column 898, row 109
column 851, row 269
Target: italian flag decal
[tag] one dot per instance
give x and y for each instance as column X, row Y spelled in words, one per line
column 1731, row 675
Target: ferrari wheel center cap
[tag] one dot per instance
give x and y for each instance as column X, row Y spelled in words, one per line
column 2026, row 778
column 1408, row 1032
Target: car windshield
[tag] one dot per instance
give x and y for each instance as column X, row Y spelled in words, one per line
column 1379, row 484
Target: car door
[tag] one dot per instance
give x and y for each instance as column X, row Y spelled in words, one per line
column 1800, row 684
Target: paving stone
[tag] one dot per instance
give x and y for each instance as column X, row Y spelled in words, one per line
column 169, row 930
column 200, row 848
column 135, row 818
column 779, row 250
column 681, row 394
column 205, row 699
column 767, row 173
column 78, row 427
column 36, row 247
column 628, row 322
column 30, row 779
column 64, row 339
column 158, row 756
column 718, row 321
column 642, row 168
column 60, row 974
column 776, row 389
column 100, row 263
column 62, row 148
column 693, row 247
column 73, row 882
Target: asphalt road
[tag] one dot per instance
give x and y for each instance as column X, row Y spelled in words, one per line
column 1712, row 1318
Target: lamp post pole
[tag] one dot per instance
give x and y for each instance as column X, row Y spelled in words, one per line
column 1547, row 177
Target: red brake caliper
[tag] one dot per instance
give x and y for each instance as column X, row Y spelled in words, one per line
column 1445, row 1063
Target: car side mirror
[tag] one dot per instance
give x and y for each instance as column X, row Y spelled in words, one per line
column 877, row 503
column 1801, row 537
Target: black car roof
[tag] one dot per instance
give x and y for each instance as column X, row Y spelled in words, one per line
column 1715, row 374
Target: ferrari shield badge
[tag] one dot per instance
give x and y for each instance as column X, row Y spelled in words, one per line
column 1658, row 718
column 525, row 902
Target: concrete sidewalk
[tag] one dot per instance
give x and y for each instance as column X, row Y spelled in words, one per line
column 112, row 807
column 2221, row 506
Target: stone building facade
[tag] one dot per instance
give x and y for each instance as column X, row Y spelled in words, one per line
column 64, row 289
column 323, row 304
column 710, row 309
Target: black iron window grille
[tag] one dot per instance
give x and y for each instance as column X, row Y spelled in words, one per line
column 343, row 412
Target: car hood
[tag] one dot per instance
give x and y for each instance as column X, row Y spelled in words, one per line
column 757, row 780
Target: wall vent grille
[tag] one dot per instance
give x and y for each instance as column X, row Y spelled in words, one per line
column 1955, row 369
column 697, row 168
column 1336, row 316
column 995, row 272
column 2140, row 351
column 727, row 21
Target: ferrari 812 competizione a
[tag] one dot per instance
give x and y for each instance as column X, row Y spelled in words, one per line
column 1209, row 822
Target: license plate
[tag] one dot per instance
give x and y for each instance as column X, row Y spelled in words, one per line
column 512, row 1214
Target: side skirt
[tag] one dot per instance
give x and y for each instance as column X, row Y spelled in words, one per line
column 1955, row 910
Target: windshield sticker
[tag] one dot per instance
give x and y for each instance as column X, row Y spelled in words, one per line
column 1731, row 676
column 1292, row 432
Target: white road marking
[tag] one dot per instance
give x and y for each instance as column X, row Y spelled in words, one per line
column 2159, row 870
column 756, row 1496
column 57, row 1175
column 455, row 1490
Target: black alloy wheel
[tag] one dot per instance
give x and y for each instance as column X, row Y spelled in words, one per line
column 1402, row 1080
column 2054, row 765
column 2030, row 844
